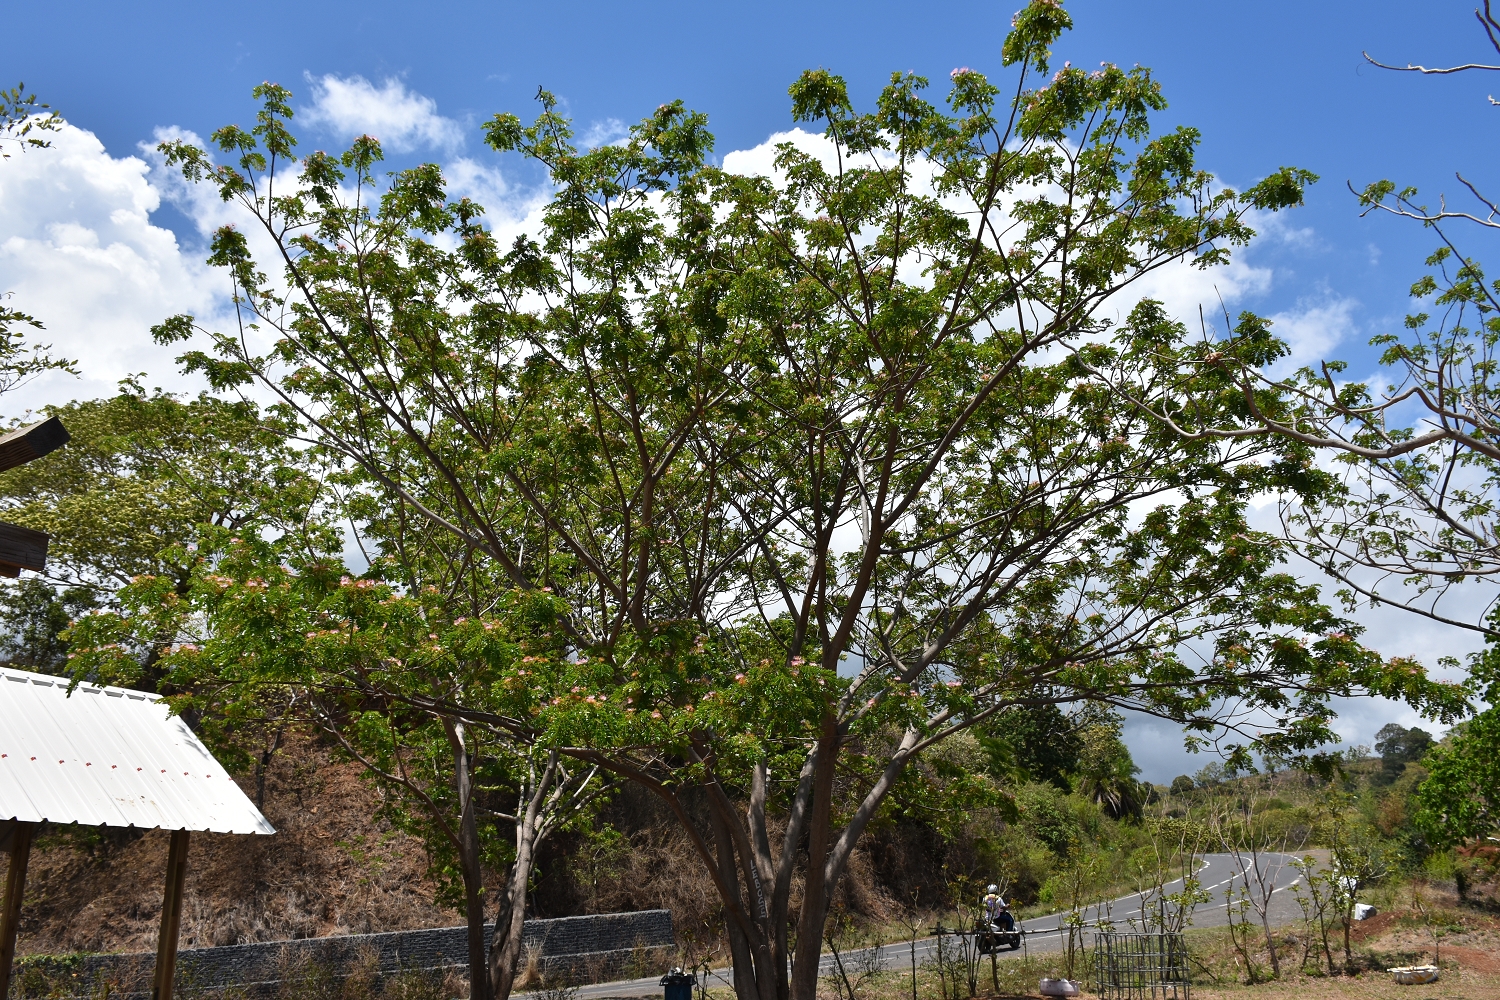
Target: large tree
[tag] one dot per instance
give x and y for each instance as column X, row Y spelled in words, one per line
column 1459, row 800
column 146, row 481
column 818, row 464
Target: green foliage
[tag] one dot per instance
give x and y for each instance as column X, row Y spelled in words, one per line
column 426, row 698
column 1399, row 746
column 1460, row 800
column 362, row 660
column 1047, row 816
column 21, row 114
column 146, row 481
column 1082, row 750
column 1106, row 772
column 1211, row 774
column 948, row 789
column 1040, row 744
column 147, row 476
column 643, row 510
column 33, row 618
column 20, row 362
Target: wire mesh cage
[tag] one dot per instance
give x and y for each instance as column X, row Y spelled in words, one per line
column 1141, row 966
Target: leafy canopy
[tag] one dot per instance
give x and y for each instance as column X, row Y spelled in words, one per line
column 821, row 468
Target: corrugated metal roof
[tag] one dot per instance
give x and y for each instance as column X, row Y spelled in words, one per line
column 107, row 756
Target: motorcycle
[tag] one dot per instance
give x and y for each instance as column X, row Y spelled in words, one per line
column 991, row 937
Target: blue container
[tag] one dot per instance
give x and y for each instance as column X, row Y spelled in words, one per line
column 678, row 985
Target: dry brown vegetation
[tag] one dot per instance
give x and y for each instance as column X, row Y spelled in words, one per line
column 1464, row 940
column 332, row 869
column 329, row 869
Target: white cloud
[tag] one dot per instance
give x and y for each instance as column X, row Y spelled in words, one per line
column 1312, row 330
column 1281, row 228
column 79, row 251
column 507, row 206
column 401, row 119
column 1189, row 292
column 200, row 203
column 603, row 133
column 759, row 161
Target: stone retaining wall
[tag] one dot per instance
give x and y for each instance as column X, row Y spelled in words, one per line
column 571, row 950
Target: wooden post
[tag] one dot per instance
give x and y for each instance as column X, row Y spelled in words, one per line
column 15, row 891
column 171, row 916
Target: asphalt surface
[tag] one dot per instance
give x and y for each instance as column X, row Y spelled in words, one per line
column 1047, row 933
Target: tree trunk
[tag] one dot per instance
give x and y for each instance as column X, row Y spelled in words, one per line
column 468, row 859
column 747, row 976
column 1265, row 922
column 770, row 879
column 1327, row 952
column 263, row 765
column 510, row 921
column 815, row 893
column 738, row 855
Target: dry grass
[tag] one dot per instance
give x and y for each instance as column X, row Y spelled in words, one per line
column 302, row 981
column 1019, row 978
column 1457, row 983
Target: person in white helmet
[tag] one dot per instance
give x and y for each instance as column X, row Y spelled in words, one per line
column 996, row 912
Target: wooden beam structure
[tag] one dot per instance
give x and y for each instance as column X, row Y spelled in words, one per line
column 21, row 548
column 171, row 917
column 25, row 548
column 15, row 891
column 26, row 444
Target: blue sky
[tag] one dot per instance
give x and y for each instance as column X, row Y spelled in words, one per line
column 99, row 243
column 1268, row 83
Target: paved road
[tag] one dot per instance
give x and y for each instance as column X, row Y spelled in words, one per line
column 1044, row 934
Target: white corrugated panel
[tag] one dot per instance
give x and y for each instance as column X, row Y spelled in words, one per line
column 106, row 756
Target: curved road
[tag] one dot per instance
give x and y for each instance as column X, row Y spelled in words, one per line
column 1215, row 875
